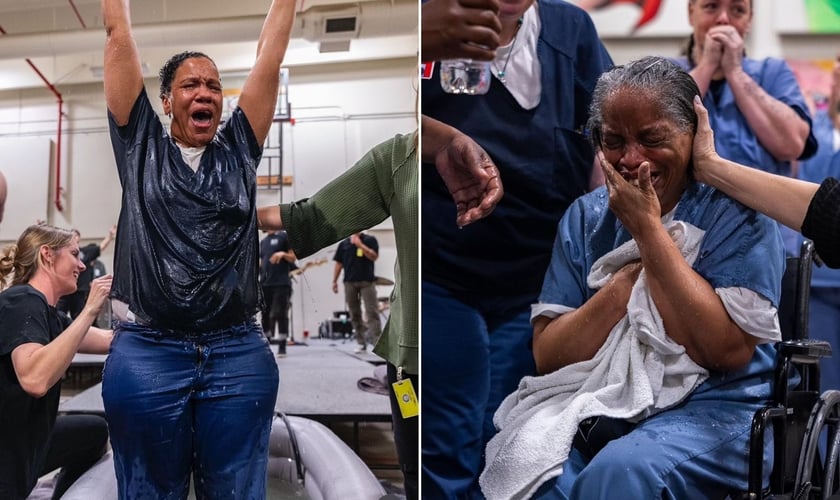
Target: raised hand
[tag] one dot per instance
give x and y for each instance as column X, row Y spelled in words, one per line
column 454, row 29
column 732, row 45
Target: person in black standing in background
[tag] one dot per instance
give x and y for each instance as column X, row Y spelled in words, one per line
column 277, row 259
column 356, row 255
column 72, row 304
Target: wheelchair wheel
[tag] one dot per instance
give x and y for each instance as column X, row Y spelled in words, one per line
column 813, row 473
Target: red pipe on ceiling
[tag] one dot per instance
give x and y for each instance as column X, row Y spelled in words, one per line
column 78, row 16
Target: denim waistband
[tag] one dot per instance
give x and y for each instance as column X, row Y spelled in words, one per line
column 129, row 322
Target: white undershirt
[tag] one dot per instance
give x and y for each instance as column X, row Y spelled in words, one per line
column 192, row 156
column 522, row 73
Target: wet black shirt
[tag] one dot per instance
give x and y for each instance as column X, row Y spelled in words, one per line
column 187, row 249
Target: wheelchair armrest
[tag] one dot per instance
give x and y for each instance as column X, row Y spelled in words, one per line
column 805, row 350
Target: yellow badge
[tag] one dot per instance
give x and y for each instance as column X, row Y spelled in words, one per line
column 359, row 252
column 406, row 398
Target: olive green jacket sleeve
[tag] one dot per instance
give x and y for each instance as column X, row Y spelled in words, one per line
column 382, row 183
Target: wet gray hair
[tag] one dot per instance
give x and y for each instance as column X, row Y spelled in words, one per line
column 675, row 90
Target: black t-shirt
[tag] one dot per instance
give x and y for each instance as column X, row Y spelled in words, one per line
column 275, row 274
column 357, row 267
column 25, row 422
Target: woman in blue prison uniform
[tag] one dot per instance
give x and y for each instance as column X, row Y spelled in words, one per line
column 699, row 447
column 479, row 281
column 644, row 121
column 734, row 138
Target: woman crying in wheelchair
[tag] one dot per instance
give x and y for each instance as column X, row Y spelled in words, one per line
column 655, row 326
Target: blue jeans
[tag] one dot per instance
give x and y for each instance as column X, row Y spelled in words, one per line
column 470, row 363
column 194, row 403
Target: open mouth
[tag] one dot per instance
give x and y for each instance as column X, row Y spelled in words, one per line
column 631, row 177
column 202, row 119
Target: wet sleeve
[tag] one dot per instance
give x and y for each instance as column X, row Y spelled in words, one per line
column 564, row 284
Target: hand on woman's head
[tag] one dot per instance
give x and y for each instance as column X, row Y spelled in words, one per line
column 704, row 141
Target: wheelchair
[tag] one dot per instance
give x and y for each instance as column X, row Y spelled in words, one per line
column 803, row 419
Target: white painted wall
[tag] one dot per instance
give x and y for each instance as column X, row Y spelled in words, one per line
column 341, row 111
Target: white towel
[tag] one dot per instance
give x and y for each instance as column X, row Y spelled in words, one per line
column 638, row 371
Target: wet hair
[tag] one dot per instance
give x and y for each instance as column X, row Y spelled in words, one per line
column 22, row 259
column 674, row 89
column 167, row 72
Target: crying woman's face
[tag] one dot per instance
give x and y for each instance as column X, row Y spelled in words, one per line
column 195, row 102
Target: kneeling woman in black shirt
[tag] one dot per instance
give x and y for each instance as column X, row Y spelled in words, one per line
column 37, row 344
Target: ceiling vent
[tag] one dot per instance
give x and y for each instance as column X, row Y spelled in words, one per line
column 325, row 25
column 344, row 25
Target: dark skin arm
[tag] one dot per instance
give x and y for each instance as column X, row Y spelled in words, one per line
column 680, row 294
column 468, row 172
column 577, row 335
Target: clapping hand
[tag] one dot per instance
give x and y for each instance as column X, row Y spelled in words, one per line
column 729, row 44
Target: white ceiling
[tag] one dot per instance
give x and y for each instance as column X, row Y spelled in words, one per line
column 67, row 48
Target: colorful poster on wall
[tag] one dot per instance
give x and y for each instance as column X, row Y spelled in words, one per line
column 807, row 16
column 643, row 18
column 814, row 77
